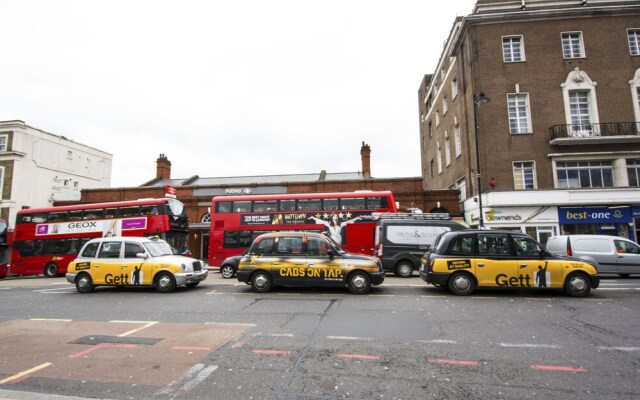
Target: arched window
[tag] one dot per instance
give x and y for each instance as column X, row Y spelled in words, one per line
column 580, row 104
column 206, row 218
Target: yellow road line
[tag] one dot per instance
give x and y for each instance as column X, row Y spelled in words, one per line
column 23, row 373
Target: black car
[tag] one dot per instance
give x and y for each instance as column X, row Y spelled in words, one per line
column 229, row 266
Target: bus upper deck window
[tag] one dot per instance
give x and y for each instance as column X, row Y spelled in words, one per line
column 241, row 206
column 223, row 207
column 331, row 204
column 309, row 205
column 287, row 205
column 352, row 204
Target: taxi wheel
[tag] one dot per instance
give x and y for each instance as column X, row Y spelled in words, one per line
column 165, row 282
column 577, row 285
column 84, row 283
column 227, row 271
column 404, row 269
column 50, row 270
column 461, row 284
column 261, row 282
column 359, row 283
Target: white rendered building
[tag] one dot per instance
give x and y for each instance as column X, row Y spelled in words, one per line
column 38, row 168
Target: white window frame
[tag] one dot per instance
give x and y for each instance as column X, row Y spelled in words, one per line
column 461, row 184
column 520, row 170
column 579, row 81
column 69, row 155
column 519, row 112
column 1, row 181
column 454, row 88
column 439, row 159
column 633, row 36
column 568, row 40
column 447, row 149
column 457, row 139
column 509, row 47
column 5, row 146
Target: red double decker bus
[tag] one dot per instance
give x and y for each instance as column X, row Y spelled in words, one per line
column 237, row 220
column 45, row 240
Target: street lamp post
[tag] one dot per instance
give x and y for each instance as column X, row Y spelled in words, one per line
column 478, row 100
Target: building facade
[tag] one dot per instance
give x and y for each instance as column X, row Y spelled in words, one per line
column 38, row 168
column 536, row 105
column 197, row 192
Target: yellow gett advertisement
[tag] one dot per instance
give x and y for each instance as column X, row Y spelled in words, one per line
column 133, row 262
column 467, row 260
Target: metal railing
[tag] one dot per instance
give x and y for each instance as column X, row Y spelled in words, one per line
column 595, row 130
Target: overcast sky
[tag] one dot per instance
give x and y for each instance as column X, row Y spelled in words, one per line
column 226, row 88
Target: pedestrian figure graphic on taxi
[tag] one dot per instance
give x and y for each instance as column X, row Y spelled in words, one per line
column 136, row 276
column 541, row 276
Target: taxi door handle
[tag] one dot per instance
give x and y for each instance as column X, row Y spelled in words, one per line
column 123, row 267
column 523, row 265
column 276, row 263
column 480, row 264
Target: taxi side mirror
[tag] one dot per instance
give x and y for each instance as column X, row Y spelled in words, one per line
column 331, row 254
column 142, row 255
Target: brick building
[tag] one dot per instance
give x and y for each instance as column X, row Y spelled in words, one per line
column 554, row 88
column 196, row 192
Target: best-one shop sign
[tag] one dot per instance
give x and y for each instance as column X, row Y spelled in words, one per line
column 596, row 215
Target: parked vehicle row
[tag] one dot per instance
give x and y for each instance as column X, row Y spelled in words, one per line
column 461, row 260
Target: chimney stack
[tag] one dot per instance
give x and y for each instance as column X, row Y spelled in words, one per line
column 163, row 167
column 365, row 155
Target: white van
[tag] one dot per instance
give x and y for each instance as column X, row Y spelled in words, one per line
column 611, row 254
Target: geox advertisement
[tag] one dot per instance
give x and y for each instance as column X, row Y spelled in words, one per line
column 109, row 227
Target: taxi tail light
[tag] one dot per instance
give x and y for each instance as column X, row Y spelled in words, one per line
column 569, row 252
column 431, row 265
column 379, row 252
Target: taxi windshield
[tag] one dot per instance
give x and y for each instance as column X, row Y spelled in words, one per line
column 158, row 248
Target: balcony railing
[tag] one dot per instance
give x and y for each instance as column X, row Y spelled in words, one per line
column 595, row 130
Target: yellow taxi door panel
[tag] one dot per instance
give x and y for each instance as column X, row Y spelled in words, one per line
column 538, row 271
column 494, row 265
column 98, row 270
column 494, row 272
column 542, row 273
column 289, row 265
column 323, row 268
column 138, row 272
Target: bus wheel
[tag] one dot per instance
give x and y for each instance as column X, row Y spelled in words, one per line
column 461, row 284
column 84, row 283
column 359, row 283
column 50, row 270
column 261, row 282
column 404, row 269
column 165, row 282
column 227, row 271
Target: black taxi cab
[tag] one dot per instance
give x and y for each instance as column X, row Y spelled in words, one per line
column 133, row 261
column 306, row 259
column 465, row 260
